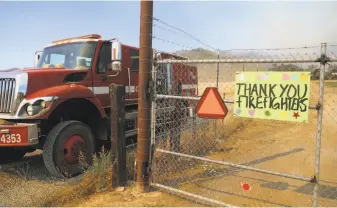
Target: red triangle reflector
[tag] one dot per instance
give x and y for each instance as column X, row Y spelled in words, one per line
column 211, row 105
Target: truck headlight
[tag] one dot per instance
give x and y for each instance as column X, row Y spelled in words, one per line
column 30, row 110
column 36, row 106
column 33, row 109
column 43, row 104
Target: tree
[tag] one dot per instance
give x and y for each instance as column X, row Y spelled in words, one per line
column 312, row 67
column 331, row 73
column 315, row 74
column 285, row 67
column 314, row 71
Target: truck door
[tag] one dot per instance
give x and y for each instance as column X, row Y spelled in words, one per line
column 132, row 64
column 103, row 77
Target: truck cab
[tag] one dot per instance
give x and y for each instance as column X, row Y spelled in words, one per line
column 62, row 104
column 98, row 63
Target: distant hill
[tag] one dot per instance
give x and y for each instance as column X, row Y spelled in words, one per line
column 207, row 72
column 201, row 53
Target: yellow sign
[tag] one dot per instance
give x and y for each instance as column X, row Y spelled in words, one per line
column 272, row 95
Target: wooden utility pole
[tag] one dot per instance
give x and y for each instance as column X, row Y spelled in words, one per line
column 144, row 95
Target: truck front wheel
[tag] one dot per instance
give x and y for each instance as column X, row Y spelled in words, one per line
column 63, row 146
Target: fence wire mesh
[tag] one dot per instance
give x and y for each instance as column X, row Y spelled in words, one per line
column 242, row 161
column 327, row 191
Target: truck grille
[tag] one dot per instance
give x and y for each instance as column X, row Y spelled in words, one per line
column 7, row 89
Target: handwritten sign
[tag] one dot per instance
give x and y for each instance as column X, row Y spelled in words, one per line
column 272, row 95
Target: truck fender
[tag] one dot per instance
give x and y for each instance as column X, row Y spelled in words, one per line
column 66, row 92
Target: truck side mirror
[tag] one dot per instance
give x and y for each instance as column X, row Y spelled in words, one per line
column 116, row 66
column 37, row 57
column 116, row 56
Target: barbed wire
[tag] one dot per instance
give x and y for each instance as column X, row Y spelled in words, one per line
column 235, row 49
column 272, row 49
column 173, row 43
column 331, row 44
column 163, row 28
column 232, row 50
column 186, row 33
column 290, row 56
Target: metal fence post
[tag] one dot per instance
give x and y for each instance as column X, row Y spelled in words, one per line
column 118, row 146
column 323, row 59
column 217, row 71
column 153, row 115
column 194, row 126
column 176, row 121
column 217, row 86
column 144, row 95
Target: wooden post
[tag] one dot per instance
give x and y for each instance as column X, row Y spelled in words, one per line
column 144, row 96
column 118, row 146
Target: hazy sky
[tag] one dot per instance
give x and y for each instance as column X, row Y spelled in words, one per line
column 29, row 26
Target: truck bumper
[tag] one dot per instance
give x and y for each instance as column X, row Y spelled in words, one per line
column 20, row 134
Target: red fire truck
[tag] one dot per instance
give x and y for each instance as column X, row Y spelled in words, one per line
column 61, row 105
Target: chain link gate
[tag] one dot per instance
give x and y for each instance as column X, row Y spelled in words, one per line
column 240, row 161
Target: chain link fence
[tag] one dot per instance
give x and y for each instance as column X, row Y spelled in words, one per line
column 327, row 191
column 243, row 161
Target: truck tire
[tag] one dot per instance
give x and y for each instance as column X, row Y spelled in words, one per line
column 9, row 154
column 63, row 145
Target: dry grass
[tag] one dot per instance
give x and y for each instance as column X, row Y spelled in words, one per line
column 30, row 185
column 97, row 178
column 199, row 141
column 131, row 154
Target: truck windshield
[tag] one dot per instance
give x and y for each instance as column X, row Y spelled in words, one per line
column 71, row 56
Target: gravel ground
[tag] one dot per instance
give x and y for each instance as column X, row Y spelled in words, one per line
column 27, row 182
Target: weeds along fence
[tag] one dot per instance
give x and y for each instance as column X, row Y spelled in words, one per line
column 245, row 161
column 131, row 155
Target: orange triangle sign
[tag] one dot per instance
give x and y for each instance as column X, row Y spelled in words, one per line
column 211, row 105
